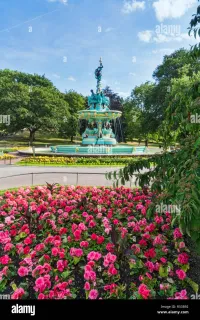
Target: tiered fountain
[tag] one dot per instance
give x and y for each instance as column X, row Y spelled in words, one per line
column 98, row 137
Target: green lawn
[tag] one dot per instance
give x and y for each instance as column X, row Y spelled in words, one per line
column 22, row 139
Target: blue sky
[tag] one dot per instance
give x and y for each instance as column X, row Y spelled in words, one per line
column 61, row 39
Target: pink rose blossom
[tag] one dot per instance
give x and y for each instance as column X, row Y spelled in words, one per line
column 22, row 271
column 181, row 274
column 87, row 286
column 144, row 291
column 93, row 294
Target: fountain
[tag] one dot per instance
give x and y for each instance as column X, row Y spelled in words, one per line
column 98, row 137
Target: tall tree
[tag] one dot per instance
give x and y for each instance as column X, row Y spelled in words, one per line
column 76, row 103
column 195, row 29
column 38, row 108
column 176, row 175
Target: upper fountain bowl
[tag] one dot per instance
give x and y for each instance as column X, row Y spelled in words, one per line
column 99, row 115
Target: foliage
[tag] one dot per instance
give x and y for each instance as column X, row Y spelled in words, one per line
column 196, row 31
column 176, row 175
column 42, row 107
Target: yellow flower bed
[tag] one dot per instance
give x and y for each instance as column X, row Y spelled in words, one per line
column 6, row 156
column 46, row 159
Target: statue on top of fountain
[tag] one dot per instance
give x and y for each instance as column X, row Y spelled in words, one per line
column 98, row 100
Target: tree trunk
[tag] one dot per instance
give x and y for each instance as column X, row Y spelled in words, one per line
column 34, row 136
column 31, row 137
column 72, row 140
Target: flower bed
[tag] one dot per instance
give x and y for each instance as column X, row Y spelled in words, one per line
column 7, row 156
column 77, row 161
column 90, row 243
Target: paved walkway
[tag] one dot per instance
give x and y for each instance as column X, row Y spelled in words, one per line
column 63, row 175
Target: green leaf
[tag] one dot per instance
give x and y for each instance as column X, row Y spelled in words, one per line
column 163, row 272
column 14, row 287
column 76, row 260
column 193, row 284
column 185, row 267
column 65, row 274
column 3, row 284
column 22, row 235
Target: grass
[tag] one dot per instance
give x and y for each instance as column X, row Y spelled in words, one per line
column 22, row 140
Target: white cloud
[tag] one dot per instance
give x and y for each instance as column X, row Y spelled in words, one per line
column 123, row 94
column 117, row 82
column 131, row 6
column 56, row 76
column 163, row 51
column 62, row 1
column 151, row 36
column 71, row 78
column 109, row 29
column 145, row 36
column 169, row 9
column 132, row 74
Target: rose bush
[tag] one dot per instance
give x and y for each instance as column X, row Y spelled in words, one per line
column 90, row 243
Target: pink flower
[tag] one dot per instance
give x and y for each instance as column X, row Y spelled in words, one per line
column 8, row 246
column 110, row 247
column 144, row 291
column 77, row 235
column 93, row 255
column 60, row 265
column 92, row 224
column 158, row 240
column 181, row 274
column 87, row 286
column 54, row 251
column 62, row 231
column 93, row 294
column 22, row 271
column 149, row 275
column 177, row 234
column 181, row 295
column 18, row 293
column 100, row 239
column 135, row 248
column 39, row 247
column 76, row 252
column 41, row 296
column 164, row 286
column 93, row 236
column 182, row 245
column 82, row 226
column 183, row 258
column 79, row 253
column 163, row 260
column 150, row 266
column 143, row 243
column 84, row 244
column 5, row 259
column 158, row 220
column 112, row 270
column 150, row 253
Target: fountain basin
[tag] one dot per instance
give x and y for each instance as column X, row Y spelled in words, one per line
column 99, row 115
column 97, row 149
